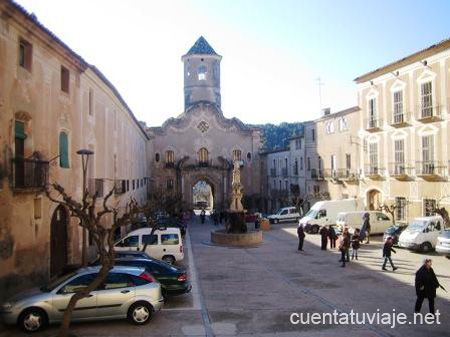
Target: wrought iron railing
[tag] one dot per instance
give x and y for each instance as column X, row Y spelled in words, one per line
column 401, row 169
column 428, row 112
column 400, row 118
column 424, row 168
column 373, row 123
column 374, row 170
column 29, row 173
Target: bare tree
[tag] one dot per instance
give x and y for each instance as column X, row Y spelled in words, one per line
column 103, row 236
column 436, row 208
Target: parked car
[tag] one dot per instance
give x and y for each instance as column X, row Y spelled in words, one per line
column 173, row 280
column 393, row 232
column 326, row 212
column 421, row 234
column 379, row 221
column 443, row 243
column 128, row 292
column 172, row 222
column 285, row 214
column 164, row 244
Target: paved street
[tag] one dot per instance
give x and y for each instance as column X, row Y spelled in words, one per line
column 252, row 292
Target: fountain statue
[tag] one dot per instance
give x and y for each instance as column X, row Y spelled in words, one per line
column 236, row 222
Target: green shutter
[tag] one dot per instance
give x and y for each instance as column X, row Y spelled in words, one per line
column 20, row 130
column 63, row 150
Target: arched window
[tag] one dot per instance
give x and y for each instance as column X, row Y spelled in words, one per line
column 63, row 150
column 157, row 157
column 236, row 155
column 202, row 73
column 203, row 156
column 170, row 158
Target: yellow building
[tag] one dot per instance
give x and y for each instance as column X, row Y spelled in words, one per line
column 404, row 133
column 53, row 103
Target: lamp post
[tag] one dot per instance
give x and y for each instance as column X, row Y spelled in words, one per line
column 84, row 153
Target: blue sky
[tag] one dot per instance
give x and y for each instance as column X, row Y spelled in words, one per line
column 272, row 50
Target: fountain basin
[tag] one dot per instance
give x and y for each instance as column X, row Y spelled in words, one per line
column 222, row 238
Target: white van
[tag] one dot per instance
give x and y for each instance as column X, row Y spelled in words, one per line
column 325, row 213
column 379, row 221
column 422, row 234
column 285, row 214
column 163, row 244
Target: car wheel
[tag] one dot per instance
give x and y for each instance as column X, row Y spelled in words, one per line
column 168, row 259
column 33, row 319
column 426, row 247
column 315, row 229
column 140, row 313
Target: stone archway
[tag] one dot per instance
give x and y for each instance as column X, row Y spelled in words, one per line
column 203, row 195
column 374, row 199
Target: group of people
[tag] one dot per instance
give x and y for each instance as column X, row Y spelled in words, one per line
column 216, row 216
column 426, row 281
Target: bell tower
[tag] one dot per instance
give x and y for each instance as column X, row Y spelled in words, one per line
column 201, row 74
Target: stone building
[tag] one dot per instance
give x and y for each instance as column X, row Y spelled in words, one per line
column 404, row 130
column 53, row 103
column 201, row 143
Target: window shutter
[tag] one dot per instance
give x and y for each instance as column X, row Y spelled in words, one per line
column 63, row 150
column 20, row 130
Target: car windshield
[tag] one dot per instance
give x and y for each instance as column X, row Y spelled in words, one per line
column 391, row 229
column 55, row 283
column 446, row 233
column 417, row 225
column 312, row 213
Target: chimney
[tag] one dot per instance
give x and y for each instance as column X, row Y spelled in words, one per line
column 326, row 111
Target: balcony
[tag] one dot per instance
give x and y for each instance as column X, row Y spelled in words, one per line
column 96, row 187
column 401, row 171
column 431, row 170
column 273, row 172
column 373, row 124
column 374, row 172
column 284, row 172
column 428, row 114
column 340, row 174
column 29, row 174
column 169, row 164
column 400, row 119
column 316, row 174
column 120, row 187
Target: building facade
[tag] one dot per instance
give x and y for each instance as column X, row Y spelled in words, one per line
column 201, row 144
column 53, row 103
column 404, row 130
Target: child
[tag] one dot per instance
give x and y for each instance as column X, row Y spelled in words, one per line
column 355, row 244
column 387, row 250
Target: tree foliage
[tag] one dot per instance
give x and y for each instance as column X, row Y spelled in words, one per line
column 276, row 137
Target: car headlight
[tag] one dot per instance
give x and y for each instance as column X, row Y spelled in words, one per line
column 6, row 306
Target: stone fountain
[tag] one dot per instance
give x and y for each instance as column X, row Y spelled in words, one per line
column 236, row 233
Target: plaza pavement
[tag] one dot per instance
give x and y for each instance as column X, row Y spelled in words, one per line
column 253, row 291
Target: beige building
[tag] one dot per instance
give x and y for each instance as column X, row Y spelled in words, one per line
column 53, row 103
column 201, row 143
column 332, row 155
column 405, row 141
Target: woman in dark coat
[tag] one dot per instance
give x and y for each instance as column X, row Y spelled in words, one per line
column 324, row 234
column 426, row 285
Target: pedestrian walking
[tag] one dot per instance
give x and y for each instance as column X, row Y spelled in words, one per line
column 355, row 244
column 324, row 234
column 387, row 251
column 333, row 237
column 343, row 248
column 366, row 227
column 301, row 236
column 202, row 216
column 426, row 285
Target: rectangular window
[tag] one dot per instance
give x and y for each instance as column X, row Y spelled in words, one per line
column 428, row 154
column 429, row 205
column 25, row 54
column 296, row 166
column 400, row 211
column 398, row 107
column 348, row 161
column 301, row 163
column 91, row 105
column 426, row 91
column 128, row 185
column 399, row 156
column 372, row 109
column 308, row 164
column 298, row 144
column 373, row 158
column 65, row 79
column 150, row 239
column 313, row 135
column 170, row 239
column 333, row 162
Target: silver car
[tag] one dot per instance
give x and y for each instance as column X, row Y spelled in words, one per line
column 128, row 292
column 443, row 243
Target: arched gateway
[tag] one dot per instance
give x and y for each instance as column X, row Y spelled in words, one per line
column 201, row 144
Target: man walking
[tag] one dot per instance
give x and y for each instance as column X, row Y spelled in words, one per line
column 366, row 226
column 333, row 237
column 387, row 251
column 301, row 236
column 426, row 285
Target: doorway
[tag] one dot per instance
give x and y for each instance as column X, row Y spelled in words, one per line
column 373, row 199
column 203, row 195
column 58, row 241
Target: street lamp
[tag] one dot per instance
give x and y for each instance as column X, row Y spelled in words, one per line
column 84, row 153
